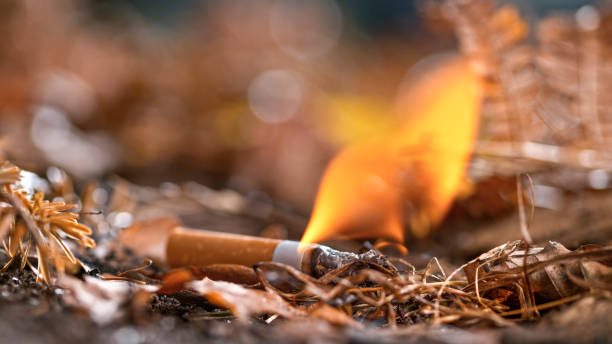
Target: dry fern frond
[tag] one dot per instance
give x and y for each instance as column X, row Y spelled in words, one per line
column 28, row 221
column 494, row 38
column 547, row 102
column 9, row 174
column 575, row 59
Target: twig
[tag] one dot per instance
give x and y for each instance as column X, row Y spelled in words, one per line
column 521, row 211
column 546, row 305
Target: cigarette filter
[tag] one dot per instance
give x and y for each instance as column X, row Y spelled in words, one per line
column 203, row 248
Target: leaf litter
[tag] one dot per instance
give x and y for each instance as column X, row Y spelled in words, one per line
column 497, row 287
column 513, row 282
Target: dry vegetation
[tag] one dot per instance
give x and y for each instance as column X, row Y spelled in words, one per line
column 32, row 221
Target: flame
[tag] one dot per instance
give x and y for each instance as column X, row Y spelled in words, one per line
column 370, row 188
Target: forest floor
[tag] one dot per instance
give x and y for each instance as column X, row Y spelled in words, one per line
column 31, row 312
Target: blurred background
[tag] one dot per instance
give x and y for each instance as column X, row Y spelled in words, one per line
column 255, row 96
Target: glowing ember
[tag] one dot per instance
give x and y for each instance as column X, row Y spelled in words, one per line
column 413, row 173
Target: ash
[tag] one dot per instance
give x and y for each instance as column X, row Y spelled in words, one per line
column 326, row 259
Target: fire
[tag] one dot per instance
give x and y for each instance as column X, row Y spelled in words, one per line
column 371, row 188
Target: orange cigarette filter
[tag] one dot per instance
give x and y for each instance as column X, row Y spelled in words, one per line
column 195, row 247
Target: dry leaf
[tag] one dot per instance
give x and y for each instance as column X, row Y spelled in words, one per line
column 550, row 276
column 148, row 238
column 102, row 300
column 243, row 302
column 332, row 315
column 175, row 280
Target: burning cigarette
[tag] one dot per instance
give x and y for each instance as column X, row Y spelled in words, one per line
column 202, row 248
column 193, row 247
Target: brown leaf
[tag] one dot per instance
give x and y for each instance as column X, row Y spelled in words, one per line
column 500, row 294
column 175, row 280
column 554, row 271
column 148, row 238
column 596, row 275
column 243, row 302
column 332, row 315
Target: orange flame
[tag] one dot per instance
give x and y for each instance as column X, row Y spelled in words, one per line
column 370, row 188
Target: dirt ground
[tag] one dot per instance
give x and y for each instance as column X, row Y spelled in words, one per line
column 31, row 313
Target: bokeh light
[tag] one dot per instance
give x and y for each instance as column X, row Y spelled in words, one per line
column 275, row 95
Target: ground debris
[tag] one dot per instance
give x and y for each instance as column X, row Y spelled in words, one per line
column 242, row 301
column 494, row 292
column 104, row 301
column 538, row 277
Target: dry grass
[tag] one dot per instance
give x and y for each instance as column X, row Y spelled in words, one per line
column 364, row 291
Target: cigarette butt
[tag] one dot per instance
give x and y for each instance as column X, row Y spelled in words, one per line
column 202, row 248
